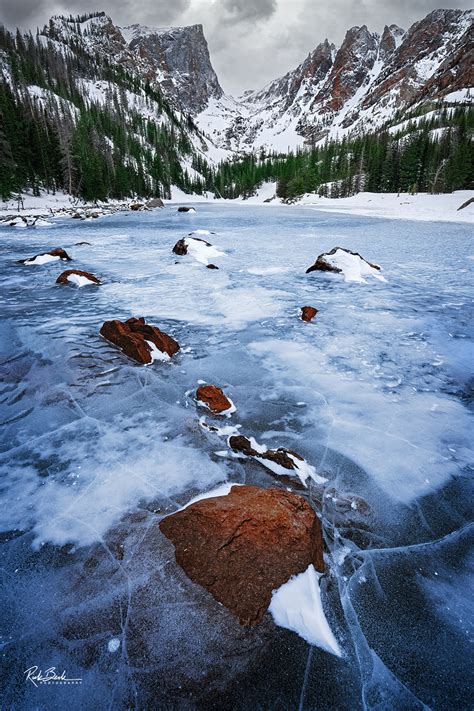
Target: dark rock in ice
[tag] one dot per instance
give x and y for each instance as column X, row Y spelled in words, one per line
column 242, row 546
column 180, row 248
column 63, row 278
column 213, row 398
column 134, row 336
column 308, row 313
column 465, row 204
column 182, row 208
column 82, row 244
column 211, row 266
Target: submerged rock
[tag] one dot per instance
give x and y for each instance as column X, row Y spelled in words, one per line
column 139, row 341
column 214, row 399
column 45, row 257
column 280, row 461
column 244, row 545
column 308, row 313
column 351, row 264
column 78, row 277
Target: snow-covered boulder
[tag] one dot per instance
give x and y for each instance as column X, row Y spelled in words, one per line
column 281, row 461
column 350, row 264
column 197, row 248
column 213, row 398
column 155, row 202
column 77, row 277
column 140, row 341
column 243, row 545
column 54, row 255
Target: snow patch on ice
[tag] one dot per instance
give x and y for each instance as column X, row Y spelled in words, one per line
column 297, row 606
column 80, row 280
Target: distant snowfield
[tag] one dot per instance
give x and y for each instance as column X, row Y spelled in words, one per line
column 393, row 206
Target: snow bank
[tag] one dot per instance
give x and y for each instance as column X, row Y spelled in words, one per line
column 297, row 606
column 425, row 207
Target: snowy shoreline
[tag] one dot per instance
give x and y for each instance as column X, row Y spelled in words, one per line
column 420, row 207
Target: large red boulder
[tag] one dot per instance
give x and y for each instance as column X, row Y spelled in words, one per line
column 134, row 336
column 214, row 399
column 242, row 546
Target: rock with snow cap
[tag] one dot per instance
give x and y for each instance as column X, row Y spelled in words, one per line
column 351, row 265
column 155, row 202
column 78, row 277
column 139, row 341
column 44, row 257
column 308, row 313
column 213, row 398
column 246, row 544
column 280, row 461
column 182, row 208
column 198, row 248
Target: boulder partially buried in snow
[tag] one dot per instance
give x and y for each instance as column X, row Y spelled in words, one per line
column 155, row 202
column 281, row 461
column 213, row 398
column 77, row 277
column 139, row 341
column 308, row 313
column 350, row 264
column 197, row 248
column 186, row 209
column 244, row 545
column 52, row 256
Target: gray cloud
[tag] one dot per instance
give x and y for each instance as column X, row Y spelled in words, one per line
column 242, row 10
column 251, row 41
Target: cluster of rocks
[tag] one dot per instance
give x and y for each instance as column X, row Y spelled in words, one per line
column 138, row 340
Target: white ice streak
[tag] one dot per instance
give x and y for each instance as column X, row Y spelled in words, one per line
column 353, row 267
column 297, row 606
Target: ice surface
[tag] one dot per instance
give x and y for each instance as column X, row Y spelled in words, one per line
column 95, row 449
column 297, row 606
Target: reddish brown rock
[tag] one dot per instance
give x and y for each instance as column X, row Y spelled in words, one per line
column 131, row 337
column 63, row 278
column 242, row 546
column 181, row 247
column 58, row 252
column 308, row 313
column 214, row 398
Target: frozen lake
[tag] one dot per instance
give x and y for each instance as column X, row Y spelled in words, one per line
column 376, row 393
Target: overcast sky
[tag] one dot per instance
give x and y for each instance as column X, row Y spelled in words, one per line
column 250, row 42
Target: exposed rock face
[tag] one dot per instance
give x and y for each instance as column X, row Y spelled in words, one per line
column 64, row 277
column 179, row 59
column 242, row 546
column 308, row 313
column 323, row 265
column 58, row 253
column 213, row 398
column 134, row 336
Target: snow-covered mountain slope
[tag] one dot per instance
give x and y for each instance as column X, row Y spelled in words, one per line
column 358, row 87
